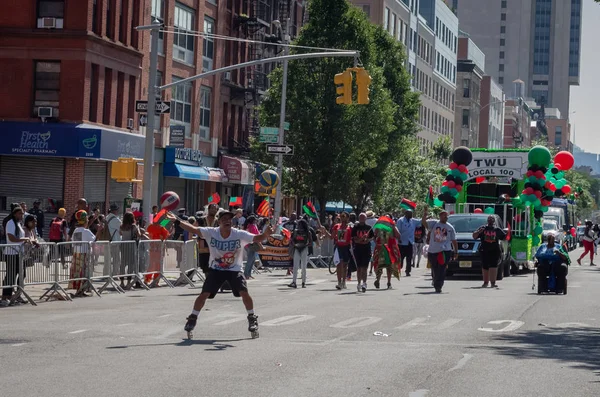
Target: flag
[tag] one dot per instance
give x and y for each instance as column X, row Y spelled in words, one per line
column 408, row 205
column 235, row 202
column 214, row 198
column 309, row 209
column 385, row 224
column 264, row 208
column 430, row 198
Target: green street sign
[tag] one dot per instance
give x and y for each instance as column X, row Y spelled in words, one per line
column 268, row 138
column 286, row 126
column 269, row 131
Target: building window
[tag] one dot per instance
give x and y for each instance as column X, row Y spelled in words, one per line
column 205, row 113
column 466, row 88
column 367, row 10
column 95, row 16
column 502, row 29
column 503, row 16
column 158, row 9
column 503, row 4
column 386, row 19
column 183, row 44
column 47, row 86
column 109, row 27
column 501, row 67
column 465, row 118
column 500, row 80
column 558, row 136
column 51, row 9
column 501, row 54
column 208, row 45
column 181, row 106
column 393, row 26
column 502, row 42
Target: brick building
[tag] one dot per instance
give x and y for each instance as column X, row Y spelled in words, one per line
column 72, row 71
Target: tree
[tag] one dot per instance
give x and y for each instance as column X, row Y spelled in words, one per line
column 442, row 148
column 334, row 144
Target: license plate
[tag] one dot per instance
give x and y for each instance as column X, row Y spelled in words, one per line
column 465, row 264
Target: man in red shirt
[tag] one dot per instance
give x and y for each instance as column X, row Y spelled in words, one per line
column 342, row 237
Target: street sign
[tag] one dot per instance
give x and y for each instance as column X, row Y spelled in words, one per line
column 268, row 139
column 280, row 149
column 177, row 136
column 162, row 107
column 142, row 119
column 286, row 126
column 269, row 131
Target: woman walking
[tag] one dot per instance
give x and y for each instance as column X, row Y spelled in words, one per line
column 251, row 249
column 588, row 243
column 301, row 240
column 387, row 253
column 15, row 235
column 490, row 236
column 130, row 235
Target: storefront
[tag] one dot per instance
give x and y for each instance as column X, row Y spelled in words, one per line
column 241, row 176
column 192, row 176
column 59, row 163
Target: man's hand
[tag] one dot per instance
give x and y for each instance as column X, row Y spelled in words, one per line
column 269, row 230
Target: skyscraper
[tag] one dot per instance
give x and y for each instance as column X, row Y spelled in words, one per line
column 537, row 41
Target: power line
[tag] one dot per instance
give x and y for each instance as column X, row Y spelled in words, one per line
column 229, row 38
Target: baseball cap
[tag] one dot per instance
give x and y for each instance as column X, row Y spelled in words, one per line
column 223, row 213
column 114, row 207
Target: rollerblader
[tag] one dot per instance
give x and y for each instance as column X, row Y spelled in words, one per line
column 226, row 246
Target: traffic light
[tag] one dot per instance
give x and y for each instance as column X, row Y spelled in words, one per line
column 363, row 81
column 124, row 170
column 343, row 82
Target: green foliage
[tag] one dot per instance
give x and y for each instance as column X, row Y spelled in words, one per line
column 442, row 148
column 588, row 199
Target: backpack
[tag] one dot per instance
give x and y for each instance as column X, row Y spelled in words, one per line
column 104, row 233
column 56, row 233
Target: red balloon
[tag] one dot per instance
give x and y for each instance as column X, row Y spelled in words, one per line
column 478, row 211
column 538, row 194
column 453, row 165
column 479, row 179
column 462, row 168
column 445, row 183
column 539, row 174
column 529, row 173
column 566, row 189
column 529, row 190
column 466, row 171
column 566, row 159
column 573, row 231
column 558, row 166
column 552, row 187
column 451, row 184
column 458, row 188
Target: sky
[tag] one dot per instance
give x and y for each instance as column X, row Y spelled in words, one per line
column 584, row 98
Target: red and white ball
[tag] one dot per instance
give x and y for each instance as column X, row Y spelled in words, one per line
column 169, row 201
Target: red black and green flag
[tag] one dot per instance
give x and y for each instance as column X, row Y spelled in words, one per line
column 309, row 209
column 214, row 198
column 235, row 202
column 430, row 197
column 408, row 205
column 264, row 208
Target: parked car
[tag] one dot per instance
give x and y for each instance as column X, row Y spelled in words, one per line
column 469, row 258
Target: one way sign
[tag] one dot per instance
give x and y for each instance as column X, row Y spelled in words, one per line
column 280, row 149
column 161, row 107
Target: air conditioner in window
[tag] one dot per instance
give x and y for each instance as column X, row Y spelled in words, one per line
column 227, row 76
column 130, row 124
column 48, row 23
column 45, row 112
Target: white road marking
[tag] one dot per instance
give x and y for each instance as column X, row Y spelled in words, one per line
column 418, row 393
column 572, row 325
column 449, row 323
column 413, row 323
column 124, row 325
column 513, row 325
column 78, row 331
column 18, row 344
column 356, row 322
column 165, row 315
column 288, row 320
column 338, row 339
column 461, row 363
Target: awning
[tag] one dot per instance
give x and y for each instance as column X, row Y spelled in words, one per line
column 186, row 171
column 238, row 170
column 217, row 175
column 337, row 206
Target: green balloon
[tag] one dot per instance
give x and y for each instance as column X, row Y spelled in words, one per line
column 489, row 210
column 535, row 240
column 437, row 202
column 538, row 229
column 456, row 172
column 540, row 156
column 544, row 209
column 464, row 177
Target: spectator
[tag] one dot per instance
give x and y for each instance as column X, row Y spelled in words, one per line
column 129, row 232
column 81, row 206
column 15, row 235
column 238, row 220
column 24, row 207
column 82, row 236
column 39, row 214
column 58, row 233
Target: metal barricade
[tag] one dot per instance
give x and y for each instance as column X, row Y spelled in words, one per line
column 153, row 269
column 173, row 257
column 11, row 265
column 78, row 268
column 188, row 267
column 41, row 265
column 101, row 266
column 124, row 265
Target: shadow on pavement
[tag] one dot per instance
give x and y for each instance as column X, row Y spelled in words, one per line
column 215, row 345
column 577, row 346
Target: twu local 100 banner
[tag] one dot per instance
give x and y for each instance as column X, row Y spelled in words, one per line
column 276, row 252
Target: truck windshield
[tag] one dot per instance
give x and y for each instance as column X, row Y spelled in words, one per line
column 467, row 224
column 550, row 226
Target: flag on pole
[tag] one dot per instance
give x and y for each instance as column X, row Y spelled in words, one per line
column 264, row 208
column 408, row 205
column 235, row 202
column 430, row 197
column 214, row 198
column 309, row 209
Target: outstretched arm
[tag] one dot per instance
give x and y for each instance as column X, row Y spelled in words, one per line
column 185, row 225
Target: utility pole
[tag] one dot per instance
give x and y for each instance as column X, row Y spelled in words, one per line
column 149, row 149
column 286, row 40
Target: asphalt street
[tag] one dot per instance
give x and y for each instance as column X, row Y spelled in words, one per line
column 317, row 341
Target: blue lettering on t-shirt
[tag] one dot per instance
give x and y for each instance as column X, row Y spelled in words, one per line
column 231, row 245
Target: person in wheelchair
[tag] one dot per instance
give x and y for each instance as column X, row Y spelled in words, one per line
column 552, row 258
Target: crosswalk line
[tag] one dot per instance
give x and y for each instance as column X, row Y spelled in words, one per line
column 356, row 322
column 413, row 323
column 288, row 320
column 449, row 323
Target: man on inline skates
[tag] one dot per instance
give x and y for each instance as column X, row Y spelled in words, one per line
column 226, row 246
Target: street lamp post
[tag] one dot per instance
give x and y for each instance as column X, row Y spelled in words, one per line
column 281, row 138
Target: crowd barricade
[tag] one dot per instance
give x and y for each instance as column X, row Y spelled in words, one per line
column 101, row 265
column 174, row 256
column 188, row 267
column 11, row 262
column 41, row 268
column 153, row 268
column 78, row 268
column 124, row 266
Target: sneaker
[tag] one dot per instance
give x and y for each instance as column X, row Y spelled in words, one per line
column 484, row 285
column 364, row 287
column 389, row 285
column 338, row 286
column 344, row 285
column 358, row 288
column 376, row 284
column 4, row 303
column 579, row 261
column 370, row 273
column 438, row 290
column 407, row 274
column 292, row 285
column 494, row 285
column 303, row 285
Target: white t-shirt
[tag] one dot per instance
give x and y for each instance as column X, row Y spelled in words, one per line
column 226, row 253
column 80, row 235
column 10, row 229
column 114, row 226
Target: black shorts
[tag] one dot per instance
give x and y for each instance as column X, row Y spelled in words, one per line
column 490, row 259
column 216, row 278
column 362, row 256
column 203, row 261
column 344, row 254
